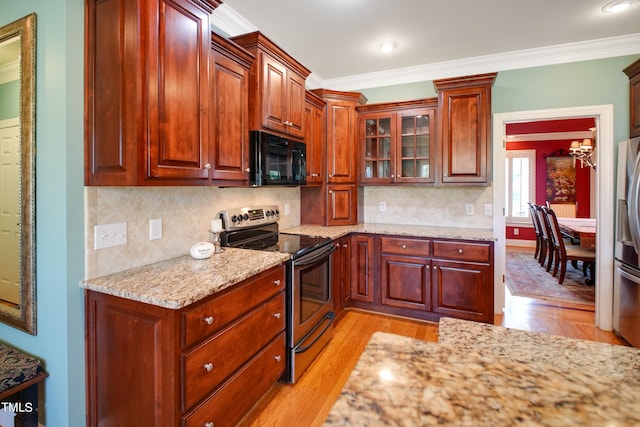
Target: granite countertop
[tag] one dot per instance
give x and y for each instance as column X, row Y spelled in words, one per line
column 335, row 232
column 402, row 381
column 181, row 281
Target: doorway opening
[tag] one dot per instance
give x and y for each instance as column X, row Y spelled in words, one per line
column 604, row 199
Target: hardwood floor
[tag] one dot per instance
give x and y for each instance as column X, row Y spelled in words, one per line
column 308, row 402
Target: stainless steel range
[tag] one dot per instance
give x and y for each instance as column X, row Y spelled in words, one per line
column 309, row 300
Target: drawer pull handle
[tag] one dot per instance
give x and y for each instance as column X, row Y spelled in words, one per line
column 207, row 166
column 208, row 320
column 277, row 358
column 277, row 315
column 247, row 169
column 277, row 282
column 209, row 424
column 208, row 367
column 459, row 251
column 345, row 246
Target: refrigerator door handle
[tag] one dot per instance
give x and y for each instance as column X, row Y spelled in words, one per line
column 624, row 272
column 632, row 206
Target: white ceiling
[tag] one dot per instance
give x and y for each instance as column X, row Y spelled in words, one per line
column 337, row 39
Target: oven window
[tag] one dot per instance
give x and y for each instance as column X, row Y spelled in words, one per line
column 314, row 289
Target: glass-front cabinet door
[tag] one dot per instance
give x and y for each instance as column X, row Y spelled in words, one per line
column 398, row 146
column 378, row 148
column 415, row 146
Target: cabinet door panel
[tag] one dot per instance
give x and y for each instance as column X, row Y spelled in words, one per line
column 342, row 204
column 178, row 92
column 341, row 151
column 230, row 113
column 295, row 104
column 274, row 80
column 362, row 268
column 405, row 282
column 463, row 290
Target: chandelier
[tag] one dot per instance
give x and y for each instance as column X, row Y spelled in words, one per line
column 585, row 150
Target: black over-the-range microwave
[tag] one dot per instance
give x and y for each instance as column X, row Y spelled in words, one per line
column 275, row 160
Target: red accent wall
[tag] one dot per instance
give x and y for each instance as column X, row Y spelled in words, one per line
column 543, row 150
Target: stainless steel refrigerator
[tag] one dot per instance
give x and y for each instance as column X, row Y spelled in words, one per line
column 626, row 285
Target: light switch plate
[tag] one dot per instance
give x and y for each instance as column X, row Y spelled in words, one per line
column 109, row 235
column 469, row 209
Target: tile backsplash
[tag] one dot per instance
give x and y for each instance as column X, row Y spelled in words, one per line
column 186, row 214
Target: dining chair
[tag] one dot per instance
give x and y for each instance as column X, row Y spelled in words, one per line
column 547, row 245
column 566, row 252
column 536, row 229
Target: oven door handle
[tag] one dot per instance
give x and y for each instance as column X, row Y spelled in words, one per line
column 314, row 256
column 330, row 316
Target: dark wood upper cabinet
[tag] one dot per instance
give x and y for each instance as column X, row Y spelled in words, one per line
column 464, row 117
column 398, row 142
column 315, row 138
column 277, row 88
column 147, row 91
column 633, row 72
column 229, row 112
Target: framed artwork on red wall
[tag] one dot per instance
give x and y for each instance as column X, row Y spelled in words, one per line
column 561, row 180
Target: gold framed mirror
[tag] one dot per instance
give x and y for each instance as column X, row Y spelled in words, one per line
column 17, row 174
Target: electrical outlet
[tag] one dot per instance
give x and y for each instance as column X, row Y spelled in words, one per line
column 155, row 229
column 469, row 209
column 488, row 209
column 516, row 231
column 108, row 235
column 383, row 206
column 287, row 209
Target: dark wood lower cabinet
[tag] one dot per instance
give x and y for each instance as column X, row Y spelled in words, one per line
column 460, row 290
column 422, row 278
column 205, row 364
column 362, row 269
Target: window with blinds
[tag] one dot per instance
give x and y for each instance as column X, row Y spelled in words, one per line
column 520, row 184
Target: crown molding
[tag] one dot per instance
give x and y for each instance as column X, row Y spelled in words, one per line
column 232, row 23
column 527, row 58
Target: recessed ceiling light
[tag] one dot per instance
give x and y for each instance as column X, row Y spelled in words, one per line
column 387, row 46
column 616, row 6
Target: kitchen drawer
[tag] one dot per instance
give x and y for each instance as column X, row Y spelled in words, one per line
column 463, row 251
column 210, row 316
column 206, row 366
column 238, row 395
column 402, row 246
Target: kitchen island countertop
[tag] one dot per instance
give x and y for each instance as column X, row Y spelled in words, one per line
column 335, row 232
column 178, row 282
column 407, row 382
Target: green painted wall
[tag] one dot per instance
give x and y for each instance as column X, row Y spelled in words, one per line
column 59, row 205
column 9, row 100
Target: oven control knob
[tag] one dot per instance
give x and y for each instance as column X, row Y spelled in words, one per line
column 277, row 212
column 245, row 217
column 269, row 213
column 234, row 218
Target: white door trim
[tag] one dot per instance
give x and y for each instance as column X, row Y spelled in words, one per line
column 605, row 194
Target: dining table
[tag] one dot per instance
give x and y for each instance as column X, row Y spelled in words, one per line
column 579, row 229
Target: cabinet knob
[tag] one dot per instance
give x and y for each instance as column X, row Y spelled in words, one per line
column 208, row 367
column 345, row 245
column 459, row 251
column 428, row 267
column 209, row 424
column 330, row 191
column 247, row 169
column 404, row 246
column 277, row 358
column 435, row 267
column 207, row 166
column 277, row 282
column 393, row 176
column 330, row 176
column 277, row 315
column 208, row 320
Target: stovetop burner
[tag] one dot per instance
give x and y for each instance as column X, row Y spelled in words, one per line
column 259, row 231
